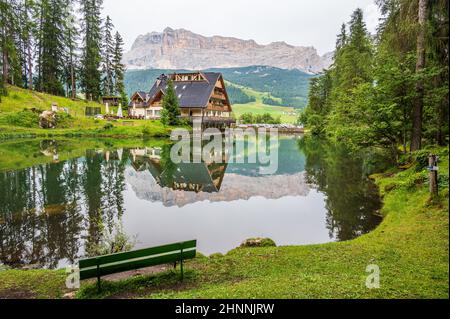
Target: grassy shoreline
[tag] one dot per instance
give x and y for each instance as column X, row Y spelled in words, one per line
column 411, row 247
column 151, row 129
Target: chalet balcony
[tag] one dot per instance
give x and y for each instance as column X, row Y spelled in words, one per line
column 218, row 96
column 142, row 104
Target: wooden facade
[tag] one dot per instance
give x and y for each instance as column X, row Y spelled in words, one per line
column 111, row 100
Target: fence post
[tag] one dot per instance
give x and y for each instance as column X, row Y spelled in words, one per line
column 433, row 173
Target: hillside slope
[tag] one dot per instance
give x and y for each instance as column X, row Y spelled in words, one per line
column 19, row 99
column 288, row 115
column 17, row 120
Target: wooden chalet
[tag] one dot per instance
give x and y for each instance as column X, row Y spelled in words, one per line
column 201, row 95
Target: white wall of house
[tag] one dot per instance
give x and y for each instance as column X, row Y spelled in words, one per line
column 148, row 114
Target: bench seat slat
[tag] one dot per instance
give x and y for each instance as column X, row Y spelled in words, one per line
column 106, row 259
column 126, row 266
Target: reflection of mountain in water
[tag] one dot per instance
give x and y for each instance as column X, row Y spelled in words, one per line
column 154, row 179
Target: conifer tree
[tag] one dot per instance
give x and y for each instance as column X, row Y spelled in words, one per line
column 9, row 20
column 108, row 54
column 53, row 46
column 70, row 57
column 90, row 75
column 171, row 108
column 119, row 70
column 28, row 30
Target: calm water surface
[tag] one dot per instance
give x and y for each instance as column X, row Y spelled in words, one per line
column 58, row 198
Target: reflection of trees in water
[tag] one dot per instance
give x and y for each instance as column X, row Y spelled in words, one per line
column 41, row 211
column 351, row 198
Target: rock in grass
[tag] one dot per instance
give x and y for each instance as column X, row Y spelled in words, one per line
column 216, row 256
column 258, row 242
column 4, row 267
column 47, row 120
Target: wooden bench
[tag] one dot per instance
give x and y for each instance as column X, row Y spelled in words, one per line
column 116, row 263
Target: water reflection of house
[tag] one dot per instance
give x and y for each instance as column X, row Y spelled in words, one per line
column 191, row 177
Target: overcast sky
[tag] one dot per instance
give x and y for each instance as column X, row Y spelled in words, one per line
column 297, row 22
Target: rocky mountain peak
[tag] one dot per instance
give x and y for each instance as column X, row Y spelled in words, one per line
column 183, row 49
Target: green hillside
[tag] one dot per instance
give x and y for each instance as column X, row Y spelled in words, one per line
column 18, row 120
column 287, row 114
column 18, row 99
column 291, row 86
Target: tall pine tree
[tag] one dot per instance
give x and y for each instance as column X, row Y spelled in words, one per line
column 119, row 70
column 71, row 52
column 171, row 107
column 90, row 75
column 108, row 55
column 53, row 46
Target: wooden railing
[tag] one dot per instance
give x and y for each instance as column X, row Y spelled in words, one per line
column 138, row 105
column 211, row 119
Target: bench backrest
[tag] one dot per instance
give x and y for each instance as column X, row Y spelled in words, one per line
column 116, row 263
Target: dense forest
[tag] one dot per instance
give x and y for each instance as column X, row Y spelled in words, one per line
column 47, row 47
column 291, row 86
column 238, row 96
column 389, row 90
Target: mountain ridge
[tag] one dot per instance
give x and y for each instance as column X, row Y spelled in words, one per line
column 184, row 49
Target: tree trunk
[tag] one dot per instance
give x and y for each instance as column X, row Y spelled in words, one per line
column 432, row 163
column 417, row 114
column 30, row 67
column 5, row 66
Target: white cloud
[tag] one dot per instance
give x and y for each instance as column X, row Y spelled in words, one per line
column 298, row 22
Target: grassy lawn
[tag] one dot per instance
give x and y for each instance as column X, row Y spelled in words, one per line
column 258, row 107
column 410, row 247
column 99, row 128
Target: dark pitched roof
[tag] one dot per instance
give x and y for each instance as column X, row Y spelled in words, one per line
column 143, row 95
column 190, row 93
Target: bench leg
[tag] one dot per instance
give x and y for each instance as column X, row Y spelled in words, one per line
column 99, row 287
column 181, row 265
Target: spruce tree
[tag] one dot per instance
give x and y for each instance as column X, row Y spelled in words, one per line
column 28, row 30
column 171, row 108
column 70, row 55
column 10, row 39
column 119, row 70
column 108, row 54
column 53, row 46
column 90, row 75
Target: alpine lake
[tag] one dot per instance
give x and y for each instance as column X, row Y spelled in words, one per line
column 61, row 199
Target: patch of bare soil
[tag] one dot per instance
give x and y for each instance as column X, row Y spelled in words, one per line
column 135, row 273
column 16, row 294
